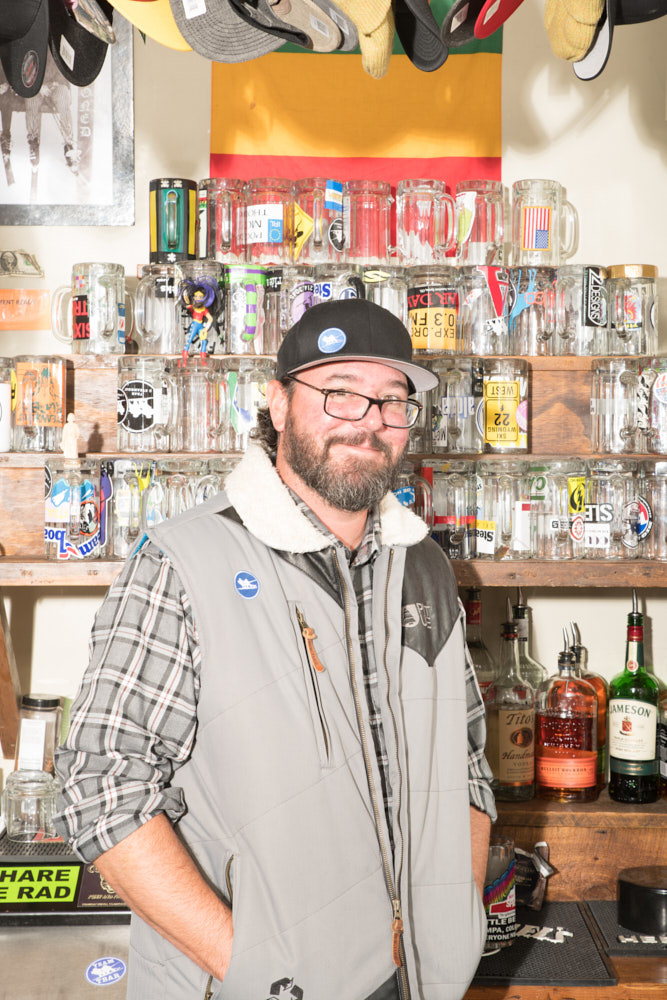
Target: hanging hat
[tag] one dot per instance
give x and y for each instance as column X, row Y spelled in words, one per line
column 615, row 12
column 458, row 28
column 374, row 21
column 78, row 54
column 216, row 31
column 419, row 34
column 493, row 15
column 24, row 41
column 155, row 19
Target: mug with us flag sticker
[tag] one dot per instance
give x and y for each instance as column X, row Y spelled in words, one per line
column 545, row 226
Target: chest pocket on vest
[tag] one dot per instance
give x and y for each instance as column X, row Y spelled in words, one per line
column 313, row 670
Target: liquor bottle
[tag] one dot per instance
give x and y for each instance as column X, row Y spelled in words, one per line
column 510, row 724
column 482, row 661
column 602, row 691
column 566, row 759
column 531, row 671
column 633, row 716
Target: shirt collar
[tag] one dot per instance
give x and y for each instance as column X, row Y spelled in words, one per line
column 369, row 546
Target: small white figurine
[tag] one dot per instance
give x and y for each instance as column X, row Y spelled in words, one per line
column 69, row 444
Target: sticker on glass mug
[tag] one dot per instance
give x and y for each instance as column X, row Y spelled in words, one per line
column 501, row 402
column 433, row 313
column 264, row 223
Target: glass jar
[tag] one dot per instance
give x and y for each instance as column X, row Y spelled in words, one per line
column 29, row 805
column 433, row 310
column 633, row 309
column 38, row 732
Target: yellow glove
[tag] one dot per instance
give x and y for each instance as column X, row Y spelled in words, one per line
column 374, row 21
column 571, row 26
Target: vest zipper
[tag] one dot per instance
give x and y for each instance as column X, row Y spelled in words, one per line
column 397, row 921
column 398, row 949
column 309, row 636
column 228, row 868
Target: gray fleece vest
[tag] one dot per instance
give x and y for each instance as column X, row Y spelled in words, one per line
column 285, row 815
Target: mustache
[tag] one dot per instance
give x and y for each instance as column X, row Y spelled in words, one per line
column 358, row 439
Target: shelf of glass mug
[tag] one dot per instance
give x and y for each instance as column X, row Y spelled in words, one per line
column 35, row 572
column 620, row 573
column 589, row 842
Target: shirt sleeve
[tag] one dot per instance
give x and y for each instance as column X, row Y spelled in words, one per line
column 134, row 718
column 479, row 772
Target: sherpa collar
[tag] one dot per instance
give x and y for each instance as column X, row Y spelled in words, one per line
column 266, row 508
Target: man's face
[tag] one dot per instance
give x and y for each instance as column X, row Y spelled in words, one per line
column 350, row 464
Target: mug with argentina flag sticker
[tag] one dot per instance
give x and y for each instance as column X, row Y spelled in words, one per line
column 319, row 236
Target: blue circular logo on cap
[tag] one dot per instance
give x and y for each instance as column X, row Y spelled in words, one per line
column 246, row 585
column 331, row 340
column 105, row 971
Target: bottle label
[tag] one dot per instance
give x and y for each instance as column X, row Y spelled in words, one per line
column 521, row 629
column 632, row 730
column 566, row 772
column 662, row 748
column 32, row 741
column 474, row 612
column 516, row 729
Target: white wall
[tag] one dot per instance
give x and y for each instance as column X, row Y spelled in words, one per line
column 605, row 140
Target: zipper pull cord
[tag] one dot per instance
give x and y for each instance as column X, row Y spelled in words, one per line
column 308, row 634
column 396, row 934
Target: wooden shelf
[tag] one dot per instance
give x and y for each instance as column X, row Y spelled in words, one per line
column 623, row 573
column 589, row 842
column 49, row 573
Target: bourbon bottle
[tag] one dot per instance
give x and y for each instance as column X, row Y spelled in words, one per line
column 510, row 724
column 566, row 735
column 633, row 717
column 602, row 691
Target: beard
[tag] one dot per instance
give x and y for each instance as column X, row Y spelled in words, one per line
column 351, row 483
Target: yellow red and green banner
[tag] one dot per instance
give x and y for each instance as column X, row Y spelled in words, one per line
column 295, row 114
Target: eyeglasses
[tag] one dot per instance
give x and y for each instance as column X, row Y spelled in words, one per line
column 346, row 405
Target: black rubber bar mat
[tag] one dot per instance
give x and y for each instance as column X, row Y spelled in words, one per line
column 619, row 940
column 555, row 945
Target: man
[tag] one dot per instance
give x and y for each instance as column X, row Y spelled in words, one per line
column 274, row 772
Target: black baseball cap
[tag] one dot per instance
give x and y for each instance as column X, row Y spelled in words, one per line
column 24, row 40
column 419, row 34
column 351, row 330
column 78, row 53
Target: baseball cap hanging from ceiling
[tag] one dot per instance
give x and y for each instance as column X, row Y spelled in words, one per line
column 419, row 34
column 313, row 24
column 216, row 31
column 615, row 12
column 468, row 20
column 155, row 19
column 77, row 52
column 24, row 41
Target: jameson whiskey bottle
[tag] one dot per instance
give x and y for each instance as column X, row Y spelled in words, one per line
column 482, row 661
column 510, row 724
column 531, row 671
column 602, row 691
column 633, row 717
column 566, row 760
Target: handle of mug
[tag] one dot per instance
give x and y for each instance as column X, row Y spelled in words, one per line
column 318, row 216
column 148, row 337
column 622, row 285
column 455, row 499
column 110, row 307
column 134, row 513
column 549, row 314
column 505, row 509
column 629, row 383
column 220, row 405
column 226, row 226
column 447, row 223
column 61, row 314
column 129, row 316
column 424, row 499
column 74, row 519
column 570, row 224
column 618, row 502
column 168, row 409
column 563, row 498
